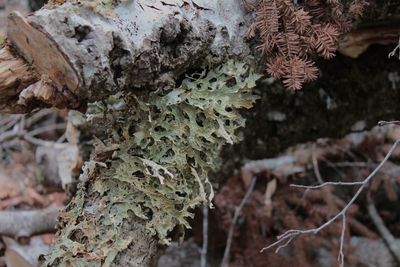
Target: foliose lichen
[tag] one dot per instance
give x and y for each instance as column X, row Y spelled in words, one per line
column 154, row 163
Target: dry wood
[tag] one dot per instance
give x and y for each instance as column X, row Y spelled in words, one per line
column 23, row 224
column 39, row 49
column 355, row 43
column 386, row 235
column 15, row 75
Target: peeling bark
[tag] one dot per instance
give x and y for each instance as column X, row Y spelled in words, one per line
column 15, row 75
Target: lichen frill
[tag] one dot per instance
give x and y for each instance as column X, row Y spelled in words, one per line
column 162, row 147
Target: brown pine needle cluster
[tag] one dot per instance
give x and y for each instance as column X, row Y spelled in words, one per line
column 294, row 32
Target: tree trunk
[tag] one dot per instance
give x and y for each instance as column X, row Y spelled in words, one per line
column 86, row 51
column 69, row 55
column 80, row 52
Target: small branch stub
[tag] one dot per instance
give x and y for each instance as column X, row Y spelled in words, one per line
column 15, row 75
column 38, row 48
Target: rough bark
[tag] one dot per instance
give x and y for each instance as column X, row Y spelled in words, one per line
column 138, row 248
column 88, row 52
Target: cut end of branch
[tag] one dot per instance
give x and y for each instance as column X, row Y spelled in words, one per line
column 39, row 49
column 21, row 90
column 34, row 72
column 15, row 75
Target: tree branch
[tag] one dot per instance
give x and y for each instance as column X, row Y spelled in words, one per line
column 384, row 231
column 288, row 236
column 23, row 224
column 225, row 259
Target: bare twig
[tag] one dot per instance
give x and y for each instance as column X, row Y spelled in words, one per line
column 284, row 239
column 23, row 224
column 383, row 231
column 326, row 184
column 225, row 259
column 355, row 164
column 393, row 53
column 9, row 135
column 332, row 165
column 203, row 259
column 315, row 166
column 341, row 253
column 48, row 128
column 38, row 116
column 20, row 132
column 383, row 123
column 40, row 142
column 9, row 122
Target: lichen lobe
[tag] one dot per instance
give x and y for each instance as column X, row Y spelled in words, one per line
column 162, row 154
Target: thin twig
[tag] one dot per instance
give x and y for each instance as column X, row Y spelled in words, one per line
column 203, row 259
column 359, row 164
column 315, row 167
column 62, row 138
column 21, row 133
column 225, row 259
column 341, row 253
column 383, row 231
column 293, row 233
column 326, row 184
column 9, row 122
column 26, row 136
column 393, row 53
column 382, row 123
column 48, row 128
column 44, row 143
column 38, row 116
column 9, row 134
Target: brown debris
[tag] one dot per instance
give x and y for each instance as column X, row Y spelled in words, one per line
column 293, row 33
column 296, row 208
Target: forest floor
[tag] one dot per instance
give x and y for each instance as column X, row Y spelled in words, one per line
column 34, row 177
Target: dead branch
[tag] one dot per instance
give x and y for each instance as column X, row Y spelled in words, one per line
column 383, row 231
column 343, row 230
column 225, row 259
column 285, row 165
column 23, row 224
column 326, row 184
column 393, row 53
column 355, row 43
column 285, row 239
column 15, row 75
column 20, row 85
column 70, row 61
column 316, row 167
column 203, row 253
column 382, row 123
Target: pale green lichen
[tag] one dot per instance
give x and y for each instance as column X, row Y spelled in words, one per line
column 167, row 143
